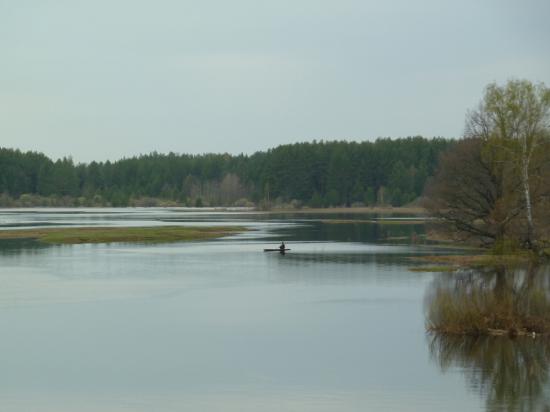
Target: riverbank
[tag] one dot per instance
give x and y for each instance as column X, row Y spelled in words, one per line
column 384, row 221
column 163, row 234
column 449, row 263
column 404, row 210
column 383, row 210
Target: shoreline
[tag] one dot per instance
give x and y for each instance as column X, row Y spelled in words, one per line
column 455, row 262
column 400, row 210
column 510, row 333
column 404, row 210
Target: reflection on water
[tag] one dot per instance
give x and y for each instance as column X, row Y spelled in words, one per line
column 510, row 373
column 337, row 324
column 291, row 227
column 357, row 232
column 21, row 247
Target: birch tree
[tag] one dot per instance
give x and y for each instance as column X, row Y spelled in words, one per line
column 514, row 119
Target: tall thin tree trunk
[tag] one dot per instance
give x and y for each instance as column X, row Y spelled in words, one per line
column 527, row 194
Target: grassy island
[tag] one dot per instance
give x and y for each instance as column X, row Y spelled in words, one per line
column 490, row 301
column 489, row 314
column 77, row 235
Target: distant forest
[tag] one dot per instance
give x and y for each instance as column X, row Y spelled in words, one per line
column 316, row 174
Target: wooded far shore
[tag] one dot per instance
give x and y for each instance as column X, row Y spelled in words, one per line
column 386, row 172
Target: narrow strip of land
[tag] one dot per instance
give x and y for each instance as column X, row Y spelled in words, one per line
column 399, row 222
column 453, row 262
column 402, row 210
column 162, row 234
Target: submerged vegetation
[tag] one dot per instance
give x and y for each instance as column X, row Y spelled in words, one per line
column 496, row 301
column 163, row 234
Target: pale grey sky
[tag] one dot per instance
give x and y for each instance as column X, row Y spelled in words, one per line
column 103, row 79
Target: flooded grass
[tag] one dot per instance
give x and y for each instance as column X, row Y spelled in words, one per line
column 79, row 235
column 487, row 314
column 441, row 268
column 497, row 302
column 476, row 261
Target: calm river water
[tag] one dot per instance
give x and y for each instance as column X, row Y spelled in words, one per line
column 337, row 324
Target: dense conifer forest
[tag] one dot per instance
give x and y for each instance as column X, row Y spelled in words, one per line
column 317, row 174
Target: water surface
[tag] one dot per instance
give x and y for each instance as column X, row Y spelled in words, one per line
column 336, row 324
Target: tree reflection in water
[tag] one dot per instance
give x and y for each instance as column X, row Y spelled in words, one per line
column 511, row 373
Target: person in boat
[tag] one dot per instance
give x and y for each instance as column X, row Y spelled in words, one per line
column 282, row 247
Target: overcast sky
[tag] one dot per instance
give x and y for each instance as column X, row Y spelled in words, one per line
column 104, row 79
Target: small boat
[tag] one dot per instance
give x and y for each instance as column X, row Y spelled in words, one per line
column 276, row 250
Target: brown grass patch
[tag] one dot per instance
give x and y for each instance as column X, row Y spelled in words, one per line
column 485, row 312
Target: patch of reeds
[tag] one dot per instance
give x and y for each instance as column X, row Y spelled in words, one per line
column 489, row 311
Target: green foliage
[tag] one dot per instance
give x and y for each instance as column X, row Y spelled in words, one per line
column 317, row 174
column 370, row 197
column 505, row 246
column 332, row 198
column 316, row 200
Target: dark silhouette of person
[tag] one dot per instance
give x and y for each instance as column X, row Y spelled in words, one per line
column 282, row 248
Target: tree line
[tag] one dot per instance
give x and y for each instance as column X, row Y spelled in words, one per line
column 316, row 174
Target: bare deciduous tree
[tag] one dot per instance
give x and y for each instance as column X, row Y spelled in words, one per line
column 469, row 195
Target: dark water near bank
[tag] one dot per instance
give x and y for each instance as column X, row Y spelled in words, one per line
column 337, row 324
